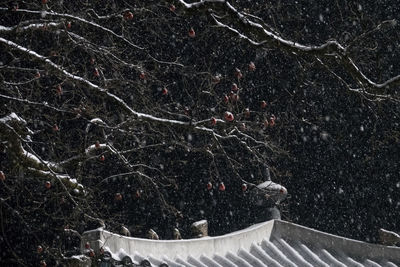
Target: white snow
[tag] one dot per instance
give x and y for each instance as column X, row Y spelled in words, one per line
column 283, row 244
column 202, row 222
column 12, row 117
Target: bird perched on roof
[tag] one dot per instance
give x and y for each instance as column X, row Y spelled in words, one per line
column 151, row 234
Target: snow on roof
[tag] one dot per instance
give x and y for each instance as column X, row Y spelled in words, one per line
column 199, row 223
column 272, row 243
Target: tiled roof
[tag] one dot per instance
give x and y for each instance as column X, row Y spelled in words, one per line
column 273, row 243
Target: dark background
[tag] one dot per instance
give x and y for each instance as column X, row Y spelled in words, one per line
column 336, row 151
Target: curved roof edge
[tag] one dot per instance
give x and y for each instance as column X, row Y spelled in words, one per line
column 185, row 247
column 286, row 240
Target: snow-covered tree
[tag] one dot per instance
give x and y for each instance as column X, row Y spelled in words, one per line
column 152, row 115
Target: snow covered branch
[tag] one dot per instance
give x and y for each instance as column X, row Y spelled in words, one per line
column 99, row 90
column 11, row 125
column 89, row 84
column 43, row 13
column 247, row 26
column 33, row 26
